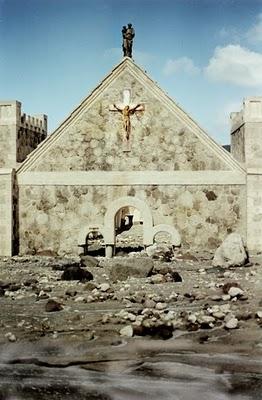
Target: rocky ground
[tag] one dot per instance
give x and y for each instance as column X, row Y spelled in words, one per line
column 62, row 312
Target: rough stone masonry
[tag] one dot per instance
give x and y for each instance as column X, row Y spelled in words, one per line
column 89, row 172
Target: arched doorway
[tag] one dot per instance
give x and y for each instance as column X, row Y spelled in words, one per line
column 91, row 241
column 128, row 230
column 114, row 214
column 94, row 244
column 163, row 238
column 167, row 232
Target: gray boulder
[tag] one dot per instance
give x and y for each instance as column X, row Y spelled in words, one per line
column 139, row 267
column 231, row 252
column 89, row 261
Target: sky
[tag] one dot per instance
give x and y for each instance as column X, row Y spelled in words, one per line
column 206, row 54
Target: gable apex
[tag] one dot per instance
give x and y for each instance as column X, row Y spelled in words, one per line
column 128, row 65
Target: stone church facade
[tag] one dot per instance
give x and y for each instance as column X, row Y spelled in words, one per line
column 106, row 157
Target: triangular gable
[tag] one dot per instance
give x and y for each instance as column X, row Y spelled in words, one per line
column 128, row 65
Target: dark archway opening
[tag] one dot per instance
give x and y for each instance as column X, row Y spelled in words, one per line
column 94, row 244
column 163, row 237
column 128, row 231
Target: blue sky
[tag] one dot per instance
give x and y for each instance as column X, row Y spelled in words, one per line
column 206, row 54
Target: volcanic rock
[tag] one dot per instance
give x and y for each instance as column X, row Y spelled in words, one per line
column 140, row 267
column 75, row 273
column 53, row 305
column 89, row 261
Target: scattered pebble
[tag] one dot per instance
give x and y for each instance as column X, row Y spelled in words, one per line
column 232, row 323
column 10, row 336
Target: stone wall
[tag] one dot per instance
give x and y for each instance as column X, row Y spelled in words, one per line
column 238, row 144
column 7, row 146
column 20, row 134
column 253, row 148
column 254, row 211
column 93, row 138
column 27, row 141
column 6, row 212
column 51, row 217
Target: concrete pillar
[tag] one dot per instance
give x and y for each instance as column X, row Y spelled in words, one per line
column 109, row 251
column 6, row 212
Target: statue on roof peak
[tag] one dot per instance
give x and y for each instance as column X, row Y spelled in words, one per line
column 128, row 34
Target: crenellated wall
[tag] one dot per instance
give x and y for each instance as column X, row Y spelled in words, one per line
column 20, row 134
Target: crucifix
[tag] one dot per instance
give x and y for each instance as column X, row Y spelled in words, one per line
column 127, row 109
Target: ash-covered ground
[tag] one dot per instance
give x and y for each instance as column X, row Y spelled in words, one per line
column 108, row 314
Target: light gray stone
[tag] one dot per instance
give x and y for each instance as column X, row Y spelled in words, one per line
column 161, row 306
column 218, row 315
column 231, row 252
column 127, row 331
column 149, row 303
column 80, row 299
column 235, row 292
column 192, row 318
column 10, row 336
column 226, row 297
column 104, row 287
column 158, row 278
column 232, row 323
column 207, row 319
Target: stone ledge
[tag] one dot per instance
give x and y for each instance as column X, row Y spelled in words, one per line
column 125, row 178
column 6, row 171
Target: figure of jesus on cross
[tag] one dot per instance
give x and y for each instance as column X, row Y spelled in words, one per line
column 127, row 109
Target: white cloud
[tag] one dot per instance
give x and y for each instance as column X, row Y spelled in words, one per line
column 237, row 65
column 183, row 64
column 254, row 34
column 231, row 33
